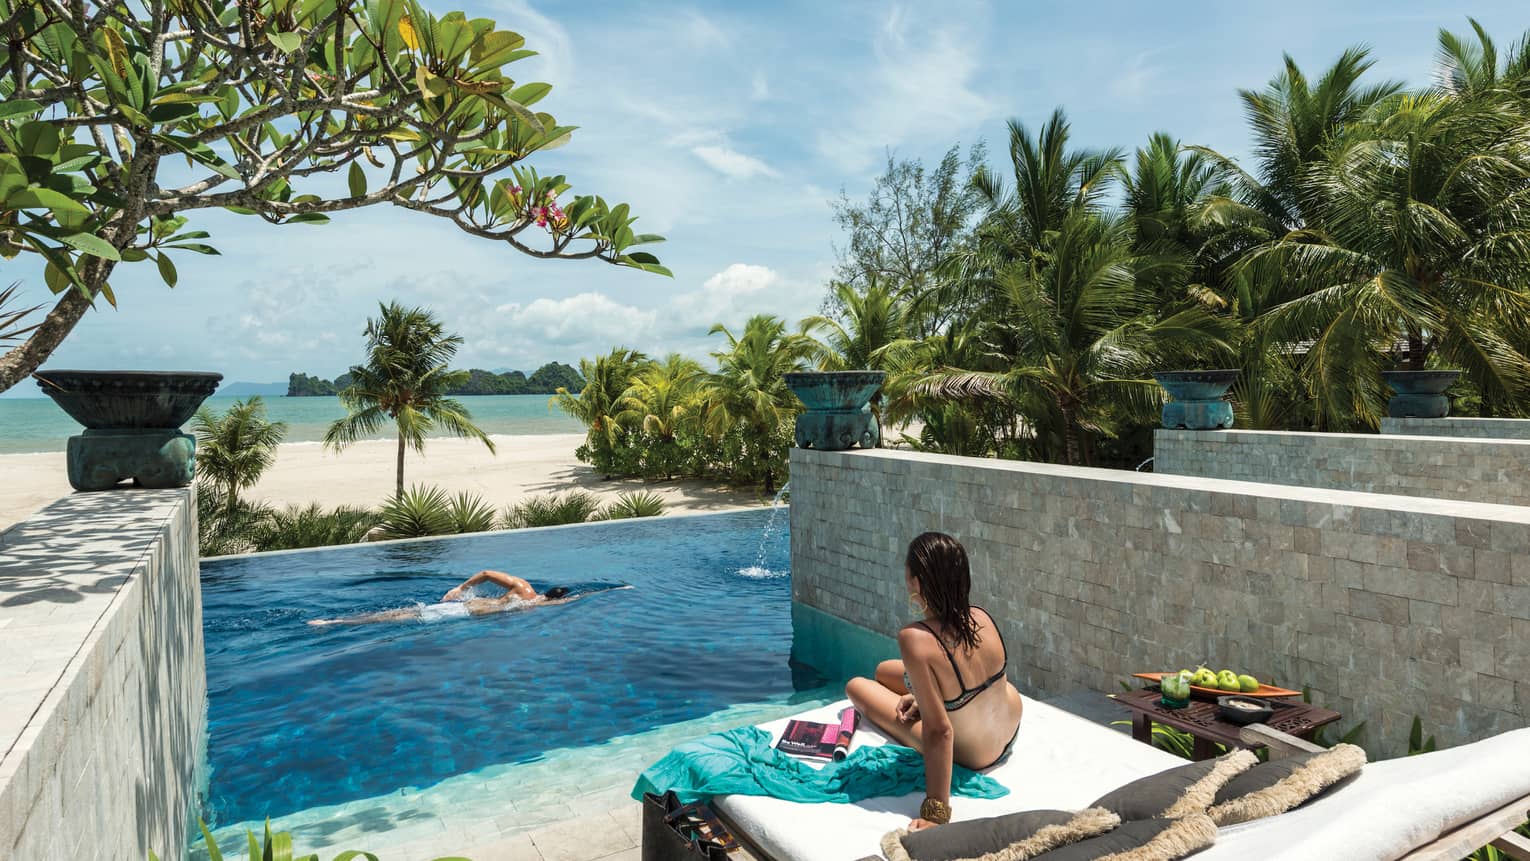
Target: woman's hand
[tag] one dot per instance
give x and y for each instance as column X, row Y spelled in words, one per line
column 907, row 709
column 453, row 595
column 920, row 825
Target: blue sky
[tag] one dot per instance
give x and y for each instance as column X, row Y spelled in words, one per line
column 728, row 128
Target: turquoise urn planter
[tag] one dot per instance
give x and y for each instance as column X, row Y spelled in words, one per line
column 1419, row 394
column 838, row 414
column 132, row 424
column 1196, row 399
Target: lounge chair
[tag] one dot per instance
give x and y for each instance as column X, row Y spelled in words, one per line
column 1433, row 807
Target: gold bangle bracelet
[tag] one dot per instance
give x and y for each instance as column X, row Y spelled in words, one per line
column 935, row 810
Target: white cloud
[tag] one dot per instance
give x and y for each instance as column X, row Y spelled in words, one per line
column 920, row 88
column 555, row 50
column 700, row 30
column 733, row 163
column 584, row 321
column 1136, row 81
column 759, row 86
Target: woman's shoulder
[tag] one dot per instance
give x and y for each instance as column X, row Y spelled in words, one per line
column 917, row 636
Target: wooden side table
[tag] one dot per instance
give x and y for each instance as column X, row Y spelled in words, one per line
column 1202, row 721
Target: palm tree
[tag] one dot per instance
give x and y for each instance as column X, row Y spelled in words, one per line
column 606, row 379
column 661, row 399
column 1423, row 229
column 1470, row 69
column 235, row 448
column 868, row 323
column 1083, row 337
column 747, row 395
column 404, row 381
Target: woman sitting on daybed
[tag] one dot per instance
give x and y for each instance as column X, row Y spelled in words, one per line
column 948, row 698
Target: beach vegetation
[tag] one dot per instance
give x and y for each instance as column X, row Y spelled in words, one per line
column 420, row 511
column 287, row 112
column 630, row 504
column 235, row 447
column 575, row 506
column 403, row 383
column 295, row 527
column 13, row 317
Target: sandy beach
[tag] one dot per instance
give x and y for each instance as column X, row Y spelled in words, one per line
column 363, row 475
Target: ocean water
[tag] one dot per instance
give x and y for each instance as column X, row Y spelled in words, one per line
column 37, row 424
column 305, row 721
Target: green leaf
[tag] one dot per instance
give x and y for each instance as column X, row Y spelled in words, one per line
column 18, row 107
column 134, row 255
column 111, row 298
column 91, row 244
column 212, row 845
column 201, row 153
column 357, row 180
column 55, row 278
column 308, row 218
column 172, row 112
column 530, row 94
column 38, row 139
column 286, row 42
column 47, row 198
column 197, row 247
column 167, row 269
column 642, row 257
column 133, row 115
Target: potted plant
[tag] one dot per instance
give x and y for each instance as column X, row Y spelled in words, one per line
column 838, row 405
column 1196, row 399
column 132, row 424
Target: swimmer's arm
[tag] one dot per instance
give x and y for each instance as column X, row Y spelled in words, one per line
column 509, row 582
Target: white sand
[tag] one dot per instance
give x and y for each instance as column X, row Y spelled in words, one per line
column 363, row 475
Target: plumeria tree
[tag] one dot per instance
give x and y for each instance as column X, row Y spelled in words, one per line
column 121, row 119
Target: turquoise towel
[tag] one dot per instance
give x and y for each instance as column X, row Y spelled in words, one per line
column 743, row 762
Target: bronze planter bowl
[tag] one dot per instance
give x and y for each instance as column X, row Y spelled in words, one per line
column 838, row 412
column 132, row 424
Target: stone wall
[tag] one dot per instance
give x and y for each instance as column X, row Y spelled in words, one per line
column 1480, row 470
column 1386, row 606
column 103, row 715
column 1459, row 427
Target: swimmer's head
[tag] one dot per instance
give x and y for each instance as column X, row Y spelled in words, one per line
column 555, row 593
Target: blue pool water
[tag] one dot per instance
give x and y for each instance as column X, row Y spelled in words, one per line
column 301, row 716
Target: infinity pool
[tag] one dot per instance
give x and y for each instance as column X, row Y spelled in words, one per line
column 302, row 716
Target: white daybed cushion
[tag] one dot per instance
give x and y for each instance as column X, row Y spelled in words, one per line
column 1393, row 806
column 1060, row 761
column 1064, row 762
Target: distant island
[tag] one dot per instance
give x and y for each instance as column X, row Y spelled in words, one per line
column 545, row 380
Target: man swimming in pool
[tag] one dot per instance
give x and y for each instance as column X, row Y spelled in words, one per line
column 518, row 595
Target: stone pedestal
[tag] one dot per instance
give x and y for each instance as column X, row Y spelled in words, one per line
column 151, row 457
column 1419, row 394
column 837, row 430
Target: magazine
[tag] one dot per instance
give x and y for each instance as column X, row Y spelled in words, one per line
column 820, row 740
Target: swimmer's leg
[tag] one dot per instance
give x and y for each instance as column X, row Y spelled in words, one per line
column 370, row 618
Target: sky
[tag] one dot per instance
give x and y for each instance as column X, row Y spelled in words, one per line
column 729, row 128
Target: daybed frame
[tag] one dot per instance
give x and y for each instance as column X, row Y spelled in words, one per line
column 1496, row 829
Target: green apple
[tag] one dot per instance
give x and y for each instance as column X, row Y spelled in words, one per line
column 1205, row 678
column 1248, row 683
column 1227, row 680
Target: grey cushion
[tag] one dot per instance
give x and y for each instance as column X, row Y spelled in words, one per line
column 1178, row 791
column 1143, row 840
column 1012, row 837
column 1274, row 787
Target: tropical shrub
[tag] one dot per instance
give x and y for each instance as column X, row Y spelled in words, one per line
column 296, row 527
column 632, row 503
column 576, row 506
column 469, row 513
column 224, row 529
column 418, row 512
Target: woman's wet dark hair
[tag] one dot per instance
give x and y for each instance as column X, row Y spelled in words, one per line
column 938, row 563
column 555, row 593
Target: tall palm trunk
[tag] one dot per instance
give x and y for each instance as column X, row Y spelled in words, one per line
column 1071, row 449
column 398, row 484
